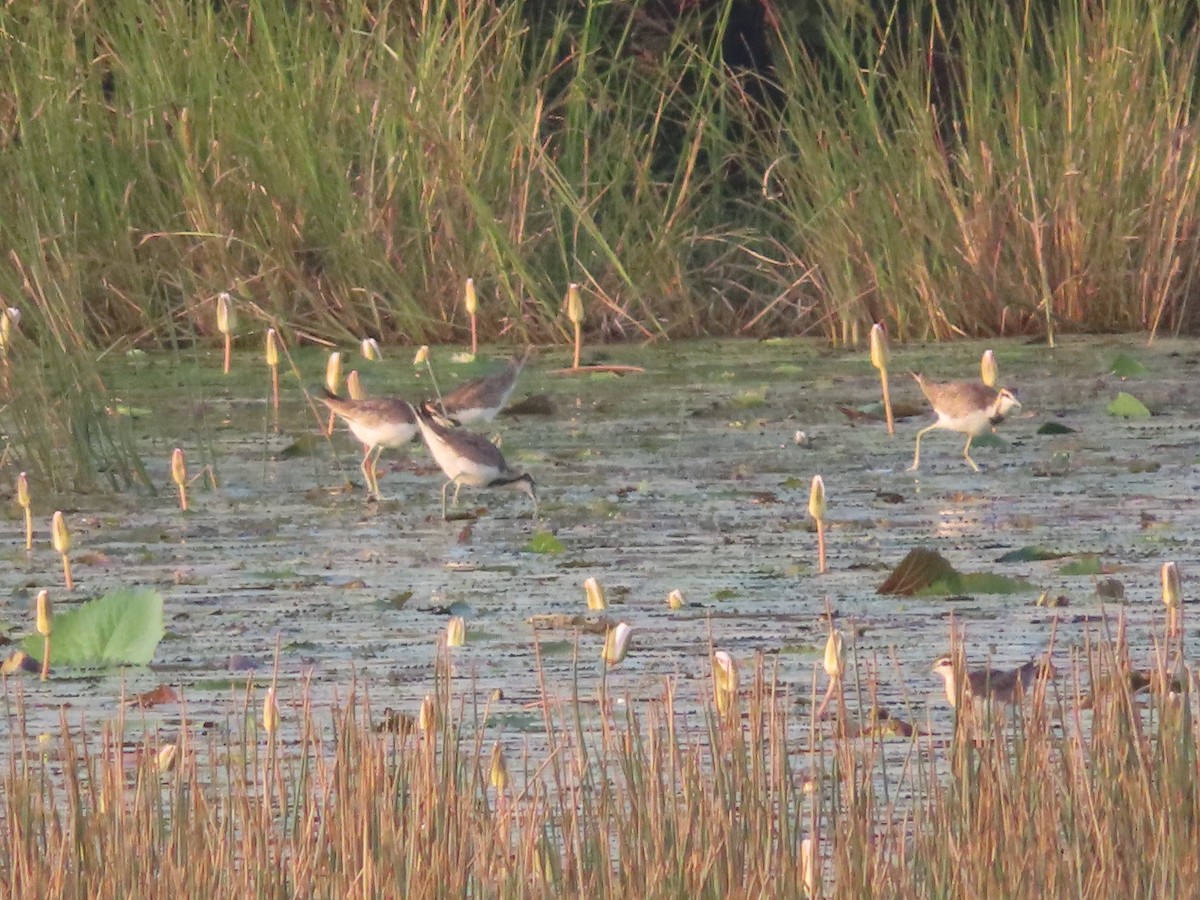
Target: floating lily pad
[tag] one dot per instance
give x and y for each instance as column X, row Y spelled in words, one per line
column 1090, row 564
column 1127, row 406
column 1127, row 367
column 927, row 573
column 1055, row 428
column 1031, row 554
column 122, row 628
column 544, row 542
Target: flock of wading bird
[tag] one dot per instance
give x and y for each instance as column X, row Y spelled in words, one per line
column 468, row 458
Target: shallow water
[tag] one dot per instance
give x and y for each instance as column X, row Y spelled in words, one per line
column 687, row 476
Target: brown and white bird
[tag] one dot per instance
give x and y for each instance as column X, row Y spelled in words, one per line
column 468, row 458
column 378, row 423
column 967, row 407
column 985, row 686
column 482, row 399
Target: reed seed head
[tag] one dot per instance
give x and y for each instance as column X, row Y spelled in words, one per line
column 60, row 537
column 596, row 601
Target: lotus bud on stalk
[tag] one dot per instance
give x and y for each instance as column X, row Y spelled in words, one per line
column 879, row 359
column 9, row 320
column 427, row 717
column 370, row 349
column 272, row 352
column 816, row 509
column 45, row 627
column 616, row 643
column 270, row 712
column 471, row 302
column 835, row 666
column 422, row 358
column 1171, row 594
column 167, row 755
column 725, row 681
column 575, row 315
column 499, row 772
column 226, row 324
column 354, row 386
column 987, row 369
column 179, row 476
column 456, row 632
column 61, row 539
column 24, row 502
column 596, row 601
column 675, row 599
column 333, row 383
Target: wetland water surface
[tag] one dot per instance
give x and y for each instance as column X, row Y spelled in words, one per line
column 686, row 477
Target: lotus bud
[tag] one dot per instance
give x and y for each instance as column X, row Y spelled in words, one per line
column 270, row 712
column 471, row 299
column 725, row 681
column 226, row 324
column 675, row 599
column 1170, row 585
column 427, row 718
column 59, row 534
column 499, row 773
column 596, row 600
column 272, row 348
column 179, row 476
column 456, row 632
column 45, row 626
column 45, row 614
column 23, row 501
column 20, row 661
column 226, row 314
column 10, row 318
column 879, row 347
column 816, row 498
column 370, row 349
column 987, row 369
column 166, row 757
column 616, row 643
column 61, row 539
column 422, row 355
column 574, row 304
column 333, row 372
column 354, row 386
column 835, row 654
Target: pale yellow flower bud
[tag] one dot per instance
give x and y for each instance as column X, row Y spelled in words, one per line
column 596, row 600
column 725, row 681
column 333, row 372
column 226, row 314
column 574, row 304
column 835, row 655
column 422, row 356
column 988, row 370
column 471, row 299
column 59, row 535
column 427, row 718
column 370, row 349
column 616, row 643
column 23, row 491
column 816, row 498
column 45, row 614
column 178, row 467
column 675, row 599
column 499, row 773
column 456, row 632
column 272, row 348
column 1171, row 593
column 879, row 347
column 270, row 712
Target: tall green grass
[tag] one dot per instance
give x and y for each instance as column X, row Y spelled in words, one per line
column 343, row 168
